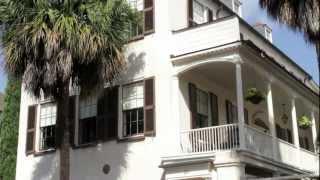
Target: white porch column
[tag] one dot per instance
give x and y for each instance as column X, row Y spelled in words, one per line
column 314, row 130
column 272, row 125
column 295, row 128
column 175, row 111
column 240, row 104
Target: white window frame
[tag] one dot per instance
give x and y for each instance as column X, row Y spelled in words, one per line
column 204, row 14
column 37, row 142
column 199, row 89
column 268, row 33
column 90, row 105
column 122, row 109
column 120, row 106
column 237, row 4
column 93, row 112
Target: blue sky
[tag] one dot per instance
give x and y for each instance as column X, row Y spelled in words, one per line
column 3, row 77
column 291, row 43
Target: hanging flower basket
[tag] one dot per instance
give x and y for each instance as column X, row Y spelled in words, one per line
column 304, row 122
column 254, row 96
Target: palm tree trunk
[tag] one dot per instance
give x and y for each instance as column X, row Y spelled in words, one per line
column 64, row 135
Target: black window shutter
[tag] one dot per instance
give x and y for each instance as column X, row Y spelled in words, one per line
column 301, row 142
column 306, row 143
column 31, row 129
column 107, row 125
column 214, row 109
column 246, row 116
column 72, row 113
column 210, row 16
column 149, row 107
column 190, row 13
column 278, row 131
column 148, row 16
column 229, row 112
column 289, row 136
column 234, row 113
column 193, row 104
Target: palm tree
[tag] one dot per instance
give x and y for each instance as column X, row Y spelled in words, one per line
column 301, row 15
column 53, row 44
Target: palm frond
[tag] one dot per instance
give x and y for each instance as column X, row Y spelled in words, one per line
column 50, row 43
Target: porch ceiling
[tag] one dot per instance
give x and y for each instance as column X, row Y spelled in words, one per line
column 221, row 73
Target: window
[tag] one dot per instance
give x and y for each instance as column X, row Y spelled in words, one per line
column 146, row 14
column 200, row 13
column 87, row 120
column 304, row 143
column 283, row 133
column 232, row 113
column 268, row 34
column 236, row 7
column 48, row 117
column 133, row 111
column 202, row 109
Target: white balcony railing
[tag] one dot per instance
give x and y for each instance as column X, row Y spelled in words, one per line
column 208, row 139
column 258, row 142
column 226, row 137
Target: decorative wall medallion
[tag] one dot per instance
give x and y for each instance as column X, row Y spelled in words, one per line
column 106, row 169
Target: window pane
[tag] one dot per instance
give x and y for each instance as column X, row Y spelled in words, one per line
column 47, row 137
column 198, row 12
column 88, row 129
column 48, row 114
column 202, row 102
column 88, row 107
column 133, row 122
column 137, row 28
column 133, row 103
column 133, row 96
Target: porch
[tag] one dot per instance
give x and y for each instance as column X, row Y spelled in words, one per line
column 219, row 119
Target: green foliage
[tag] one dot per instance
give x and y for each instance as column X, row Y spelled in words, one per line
column 254, row 96
column 304, row 122
column 9, row 127
column 50, row 43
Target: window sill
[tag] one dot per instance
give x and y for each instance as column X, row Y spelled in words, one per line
column 132, row 138
column 87, row 145
column 140, row 37
column 45, row 152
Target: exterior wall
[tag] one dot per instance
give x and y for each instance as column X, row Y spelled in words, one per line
column 127, row 159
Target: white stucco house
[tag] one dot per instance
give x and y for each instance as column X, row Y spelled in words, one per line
column 180, row 110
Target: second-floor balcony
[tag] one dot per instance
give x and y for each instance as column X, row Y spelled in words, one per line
column 226, row 138
column 212, row 76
